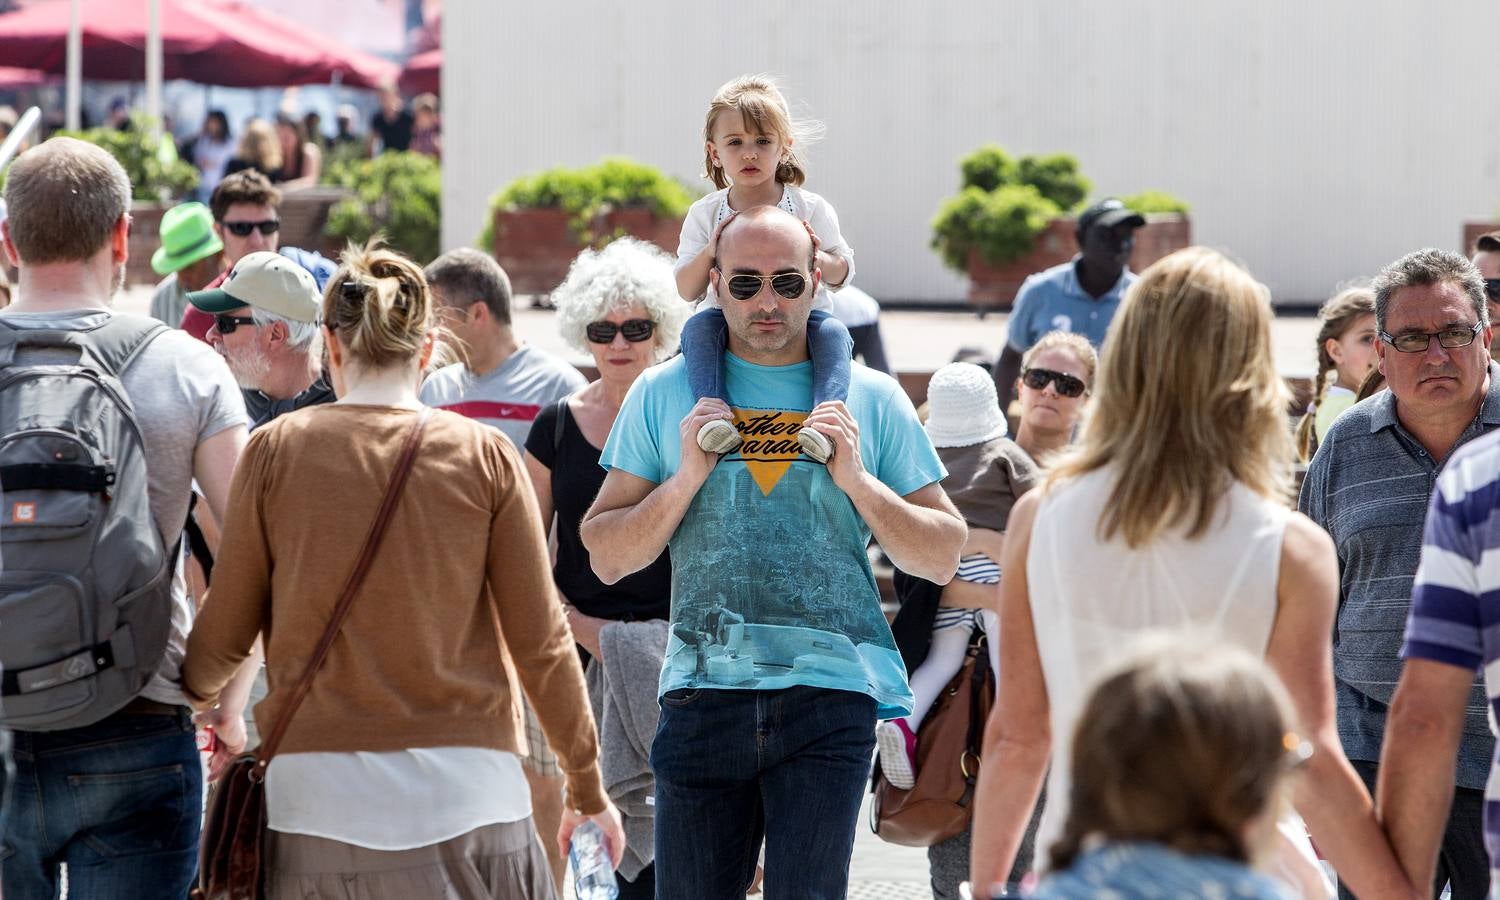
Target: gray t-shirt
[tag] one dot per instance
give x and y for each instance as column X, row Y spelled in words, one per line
column 183, row 395
column 508, row 398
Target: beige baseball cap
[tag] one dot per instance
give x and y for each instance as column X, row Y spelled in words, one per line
column 267, row 281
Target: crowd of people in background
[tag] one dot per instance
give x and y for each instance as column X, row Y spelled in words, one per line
column 1233, row 637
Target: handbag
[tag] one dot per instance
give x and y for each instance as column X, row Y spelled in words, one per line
column 232, row 856
column 941, row 802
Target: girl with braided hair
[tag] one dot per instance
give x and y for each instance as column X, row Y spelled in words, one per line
column 1346, row 347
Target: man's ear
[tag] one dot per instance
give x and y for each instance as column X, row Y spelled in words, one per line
column 119, row 240
column 11, row 255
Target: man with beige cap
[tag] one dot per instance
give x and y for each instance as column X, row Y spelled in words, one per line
column 266, row 327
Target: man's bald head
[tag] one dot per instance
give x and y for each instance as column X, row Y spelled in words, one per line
column 763, row 226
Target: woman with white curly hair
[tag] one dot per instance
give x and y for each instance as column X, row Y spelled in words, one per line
column 620, row 304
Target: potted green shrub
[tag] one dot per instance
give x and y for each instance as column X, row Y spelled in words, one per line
column 398, row 194
column 1013, row 217
column 539, row 222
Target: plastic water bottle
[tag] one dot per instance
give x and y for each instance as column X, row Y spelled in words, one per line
column 593, row 873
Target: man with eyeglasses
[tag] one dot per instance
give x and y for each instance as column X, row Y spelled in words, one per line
column 769, row 738
column 244, row 207
column 1369, row 485
column 1079, row 296
column 1487, row 261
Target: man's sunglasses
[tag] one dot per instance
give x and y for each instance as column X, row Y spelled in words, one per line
column 243, row 229
column 1492, row 287
column 635, row 331
column 788, row 284
column 227, row 324
column 1067, row 385
column 1419, row 341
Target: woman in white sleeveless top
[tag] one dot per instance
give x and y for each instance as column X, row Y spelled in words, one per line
column 1172, row 514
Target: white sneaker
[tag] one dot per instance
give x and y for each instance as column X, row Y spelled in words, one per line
column 896, row 755
column 815, row 444
column 719, row 436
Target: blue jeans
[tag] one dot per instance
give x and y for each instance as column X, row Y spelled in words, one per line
column 735, row 767
column 828, row 344
column 119, row 801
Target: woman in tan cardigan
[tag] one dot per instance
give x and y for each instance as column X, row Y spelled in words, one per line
column 399, row 770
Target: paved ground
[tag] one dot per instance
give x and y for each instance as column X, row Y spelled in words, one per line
column 920, row 341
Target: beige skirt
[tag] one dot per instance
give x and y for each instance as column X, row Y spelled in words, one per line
column 496, row 861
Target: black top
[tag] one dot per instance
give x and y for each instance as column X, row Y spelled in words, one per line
column 576, row 479
column 393, row 135
column 263, row 409
column 239, row 165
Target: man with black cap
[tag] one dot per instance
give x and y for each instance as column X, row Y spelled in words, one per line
column 266, row 327
column 1080, row 295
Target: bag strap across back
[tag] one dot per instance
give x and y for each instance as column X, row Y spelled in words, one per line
column 351, row 587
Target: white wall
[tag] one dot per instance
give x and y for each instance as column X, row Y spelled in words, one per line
column 1317, row 140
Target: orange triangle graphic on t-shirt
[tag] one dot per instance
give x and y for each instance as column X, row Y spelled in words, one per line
column 770, row 443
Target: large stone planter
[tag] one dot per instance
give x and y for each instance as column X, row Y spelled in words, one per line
column 145, row 237
column 1472, row 230
column 536, row 246
column 993, row 287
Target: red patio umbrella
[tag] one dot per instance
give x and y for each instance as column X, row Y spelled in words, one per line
column 207, row 41
column 12, row 78
column 423, row 73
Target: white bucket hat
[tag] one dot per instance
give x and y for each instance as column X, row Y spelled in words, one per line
column 962, row 408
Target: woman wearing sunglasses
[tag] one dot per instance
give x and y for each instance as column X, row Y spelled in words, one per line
column 1172, row 515
column 620, row 304
column 1054, row 386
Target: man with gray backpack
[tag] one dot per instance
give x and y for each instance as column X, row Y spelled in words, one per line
column 105, row 421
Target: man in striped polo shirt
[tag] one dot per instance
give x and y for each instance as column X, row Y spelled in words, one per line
column 1369, row 486
column 1454, row 600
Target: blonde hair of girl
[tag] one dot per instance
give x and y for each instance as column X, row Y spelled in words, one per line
column 1186, row 399
column 1186, row 748
column 1337, row 316
column 379, row 306
column 760, row 103
column 260, row 146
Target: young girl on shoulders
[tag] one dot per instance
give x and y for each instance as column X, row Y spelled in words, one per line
column 752, row 157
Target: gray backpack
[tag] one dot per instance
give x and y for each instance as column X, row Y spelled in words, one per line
column 85, row 576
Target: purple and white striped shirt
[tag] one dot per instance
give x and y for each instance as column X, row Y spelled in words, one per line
column 1455, row 605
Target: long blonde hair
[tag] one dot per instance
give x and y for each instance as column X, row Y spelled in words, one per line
column 1338, row 315
column 261, row 146
column 1187, row 399
column 379, row 305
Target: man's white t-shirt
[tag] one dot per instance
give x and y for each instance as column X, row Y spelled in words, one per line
column 509, row 397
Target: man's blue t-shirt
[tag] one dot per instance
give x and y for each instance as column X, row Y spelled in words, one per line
column 1053, row 300
column 771, row 584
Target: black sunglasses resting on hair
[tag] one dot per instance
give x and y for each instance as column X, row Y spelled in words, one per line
column 1067, row 385
column 634, row 330
column 243, row 229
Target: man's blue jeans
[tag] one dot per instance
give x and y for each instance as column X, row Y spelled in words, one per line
column 733, row 767
column 120, row 802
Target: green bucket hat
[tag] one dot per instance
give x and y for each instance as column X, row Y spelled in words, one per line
column 187, row 235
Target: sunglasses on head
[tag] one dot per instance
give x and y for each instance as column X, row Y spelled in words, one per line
column 227, row 324
column 1492, row 287
column 634, row 330
column 243, row 229
column 1067, row 385
column 743, row 286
